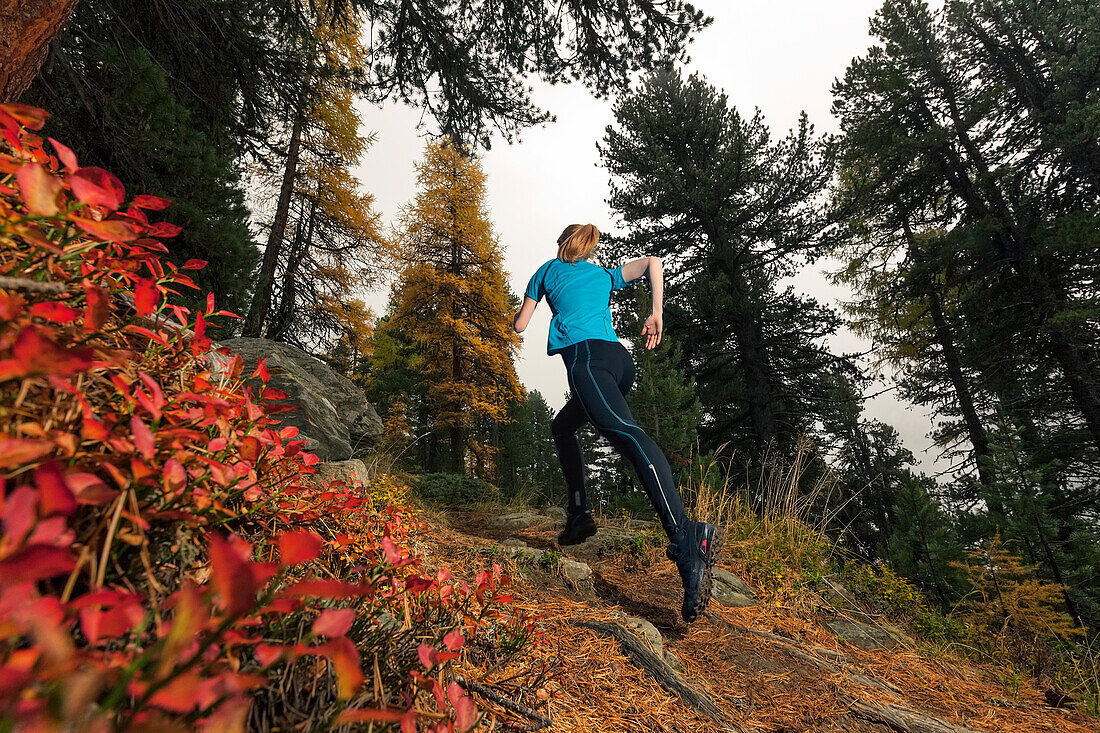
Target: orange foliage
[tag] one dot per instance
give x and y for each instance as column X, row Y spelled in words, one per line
column 453, row 300
column 165, row 553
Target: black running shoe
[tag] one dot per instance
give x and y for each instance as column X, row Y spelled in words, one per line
column 694, row 551
column 578, row 528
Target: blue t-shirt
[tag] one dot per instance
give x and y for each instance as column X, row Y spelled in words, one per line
column 579, row 295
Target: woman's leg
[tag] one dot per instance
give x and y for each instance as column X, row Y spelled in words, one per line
column 564, row 428
column 595, row 381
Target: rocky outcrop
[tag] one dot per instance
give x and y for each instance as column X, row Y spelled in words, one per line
column 350, row 473
column 729, row 590
column 864, row 636
column 332, row 415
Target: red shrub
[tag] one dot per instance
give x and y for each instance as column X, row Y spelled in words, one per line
column 160, row 535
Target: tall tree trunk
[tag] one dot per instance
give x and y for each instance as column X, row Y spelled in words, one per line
column 747, row 332
column 280, row 324
column 26, row 29
column 1012, row 241
column 261, row 300
column 975, row 431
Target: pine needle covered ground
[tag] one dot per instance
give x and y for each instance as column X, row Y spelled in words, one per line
column 757, row 663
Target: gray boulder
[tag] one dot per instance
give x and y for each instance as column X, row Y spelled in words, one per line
column 729, row 590
column 518, row 520
column 351, row 473
column 333, row 415
column 863, row 636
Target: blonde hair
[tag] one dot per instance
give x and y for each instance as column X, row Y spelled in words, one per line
column 577, row 242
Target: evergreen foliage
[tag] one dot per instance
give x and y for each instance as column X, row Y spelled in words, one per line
column 170, row 151
column 731, row 211
column 969, row 218
column 526, row 461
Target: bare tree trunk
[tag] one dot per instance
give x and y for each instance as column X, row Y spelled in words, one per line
column 261, row 300
column 26, row 29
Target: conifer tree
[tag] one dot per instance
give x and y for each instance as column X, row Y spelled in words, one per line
column 527, row 462
column 663, row 400
column 731, row 211
column 323, row 237
column 452, row 301
column 924, row 545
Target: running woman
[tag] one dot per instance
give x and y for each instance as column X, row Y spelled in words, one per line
column 600, row 373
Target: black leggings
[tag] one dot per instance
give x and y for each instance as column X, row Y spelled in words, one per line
column 600, row 374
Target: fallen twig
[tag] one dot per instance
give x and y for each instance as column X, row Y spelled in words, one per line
column 540, row 721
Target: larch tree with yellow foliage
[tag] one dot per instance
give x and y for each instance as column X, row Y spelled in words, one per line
column 453, row 301
column 324, row 238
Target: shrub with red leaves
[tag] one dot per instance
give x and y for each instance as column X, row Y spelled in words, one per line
column 164, row 554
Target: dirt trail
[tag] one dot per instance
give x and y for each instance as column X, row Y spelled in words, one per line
column 765, row 667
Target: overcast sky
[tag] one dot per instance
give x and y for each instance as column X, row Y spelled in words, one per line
column 781, row 56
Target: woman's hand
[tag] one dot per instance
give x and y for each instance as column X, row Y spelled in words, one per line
column 652, row 330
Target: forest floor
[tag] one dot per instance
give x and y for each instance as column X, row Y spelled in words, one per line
column 772, row 666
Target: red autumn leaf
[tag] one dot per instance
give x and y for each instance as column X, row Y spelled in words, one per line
column 251, row 447
column 97, row 308
column 11, row 306
column 143, row 437
column 90, row 489
column 427, row 655
column 175, row 476
column 108, row 230
column 416, row 584
column 194, row 264
column 233, row 574
column 296, row 547
column 334, row 622
column 146, row 296
column 454, row 640
column 345, row 662
column 18, row 513
column 33, row 563
column 68, row 158
column 181, row 695
column 164, row 230
column 54, row 495
column 30, row 117
column 21, row 451
column 113, row 619
column 268, row 654
column 41, row 189
column 270, row 393
column 465, row 712
column 152, row 203
column 261, row 371
column 97, row 187
column 34, row 352
column 56, row 312
column 393, row 555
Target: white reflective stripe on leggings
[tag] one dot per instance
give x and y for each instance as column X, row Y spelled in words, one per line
column 588, row 366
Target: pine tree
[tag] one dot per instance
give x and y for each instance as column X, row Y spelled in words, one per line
column 731, row 212
column 452, row 300
column 324, row 236
column 925, row 546
column 663, row 400
column 527, row 462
